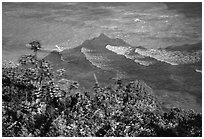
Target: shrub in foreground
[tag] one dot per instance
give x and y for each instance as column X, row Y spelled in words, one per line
column 33, row 105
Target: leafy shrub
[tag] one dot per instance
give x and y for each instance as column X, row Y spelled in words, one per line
column 33, row 105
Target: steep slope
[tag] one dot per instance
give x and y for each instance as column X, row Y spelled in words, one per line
column 109, row 58
column 54, row 57
column 90, row 57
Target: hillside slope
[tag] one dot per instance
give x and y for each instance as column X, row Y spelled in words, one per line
column 34, row 106
column 113, row 58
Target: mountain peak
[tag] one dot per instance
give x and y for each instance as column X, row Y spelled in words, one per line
column 102, row 35
column 102, row 41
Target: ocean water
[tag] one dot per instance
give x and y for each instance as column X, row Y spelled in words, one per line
column 151, row 25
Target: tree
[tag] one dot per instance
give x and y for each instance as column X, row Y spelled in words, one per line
column 35, row 46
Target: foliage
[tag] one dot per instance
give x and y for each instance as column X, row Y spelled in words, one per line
column 35, row 46
column 33, row 105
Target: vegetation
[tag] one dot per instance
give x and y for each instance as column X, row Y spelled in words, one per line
column 35, row 46
column 34, row 105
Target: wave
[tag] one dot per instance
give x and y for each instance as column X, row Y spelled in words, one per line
column 120, row 50
column 144, row 63
column 97, row 60
column 197, row 70
column 129, row 53
column 172, row 57
column 144, row 57
column 148, row 57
